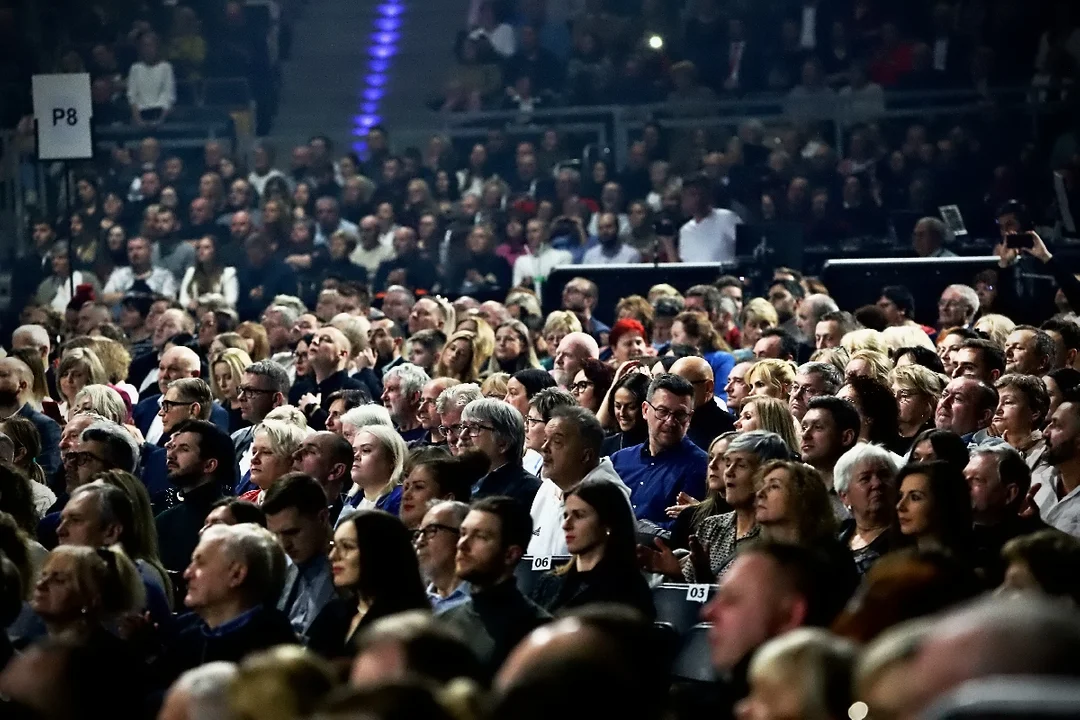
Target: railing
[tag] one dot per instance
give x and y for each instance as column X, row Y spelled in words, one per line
column 842, row 112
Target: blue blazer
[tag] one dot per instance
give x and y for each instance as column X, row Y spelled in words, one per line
column 144, row 413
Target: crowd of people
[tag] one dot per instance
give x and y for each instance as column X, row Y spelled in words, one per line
column 247, row 491
column 290, row 438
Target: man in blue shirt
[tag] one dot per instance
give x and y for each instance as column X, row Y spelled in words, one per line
column 669, row 463
column 436, row 547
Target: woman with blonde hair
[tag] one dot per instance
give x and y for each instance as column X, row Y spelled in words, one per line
column 377, row 470
column 226, row 374
column 771, row 415
column 838, row 357
column 78, row 368
column 80, row 589
column 361, row 417
column 485, row 335
column 917, row 390
column 869, row 363
column 460, row 358
column 116, row 359
column 104, row 401
column 805, row 673
column 899, row 336
column 513, row 349
column 558, row 325
column 495, row 385
column 996, row 327
column 771, row 377
column 758, row 315
column 224, row 341
column 273, row 445
column 864, row 339
column 254, row 334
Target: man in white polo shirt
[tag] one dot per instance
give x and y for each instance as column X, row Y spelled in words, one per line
column 709, row 234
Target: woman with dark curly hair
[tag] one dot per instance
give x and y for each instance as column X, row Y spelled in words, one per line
column 624, row 403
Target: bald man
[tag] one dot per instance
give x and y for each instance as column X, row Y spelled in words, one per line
column 16, row 391
column 328, row 356
column 573, row 351
column 709, row 418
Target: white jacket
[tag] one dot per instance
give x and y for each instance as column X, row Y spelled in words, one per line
column 547, row 511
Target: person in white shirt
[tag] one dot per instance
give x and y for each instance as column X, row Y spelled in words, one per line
column 263, row 170
column 158, row 280
column 151, row 84
column 208, row 277
column 610, row 250
column 540, row 258
column 370, row 252
column 709, row 235
column 572, row 453
column 499, row 34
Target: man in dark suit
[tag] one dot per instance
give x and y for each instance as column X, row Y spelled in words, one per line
column 498, row 430
column 177, row 363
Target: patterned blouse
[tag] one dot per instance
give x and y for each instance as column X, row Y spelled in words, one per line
column 717, row 536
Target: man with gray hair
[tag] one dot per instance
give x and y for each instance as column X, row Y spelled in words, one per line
column 263, row 387
column 811, row 380
column 233, row 584
column 570, row 356
column 32, row 337
column 278, row 321
column 436, row 549
column 402, row 386
column 928, row 238
column 201, row 693
column 958, row 306
column 497, row 429
column 809, row 313
column 573, row 441
column 449, row 406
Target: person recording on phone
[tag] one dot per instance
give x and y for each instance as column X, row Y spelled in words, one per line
column 1016, row 296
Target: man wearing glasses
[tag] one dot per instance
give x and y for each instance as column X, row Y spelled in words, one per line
column 436, row 547
column 185, row 399
column 669, row 462
column 449, row 406
column 264, row 387
column 497, row 429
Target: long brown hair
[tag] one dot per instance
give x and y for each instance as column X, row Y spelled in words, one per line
column 808, row 500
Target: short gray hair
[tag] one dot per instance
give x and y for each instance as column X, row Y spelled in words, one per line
column 122, row 452
column 207, row 690
column 279, row 378
column 260, row 552
column 366, row 416
column 413, row 378
column 761, row 443
column 507, row 421
column 971, row 298
column 828, row 372
column 457, row 508
column 457, row 396
column 287, row 312
column 37, row 334
column 104, row 401
column 862, row 452
column 819, row 305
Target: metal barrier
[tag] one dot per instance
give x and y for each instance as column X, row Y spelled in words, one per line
column 841, row 111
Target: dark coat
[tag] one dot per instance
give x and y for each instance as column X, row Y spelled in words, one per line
column 606, row 583
column 494, row 621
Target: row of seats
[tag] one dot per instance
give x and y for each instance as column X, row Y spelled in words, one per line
column 678, row 617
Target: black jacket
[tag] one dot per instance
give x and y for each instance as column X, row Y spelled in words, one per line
column 179, row 526
column 511, row 480
column 707, row 422
column 493, row 621
column 606, row 583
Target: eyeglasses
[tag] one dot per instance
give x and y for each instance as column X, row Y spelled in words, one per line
column 530, row 421
column 82, row 457
column 473, row 429
column 451, row 429
column 168, row 405
column 662, row 413
column 430, row 531
column 248, row 390
column 580, row 387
